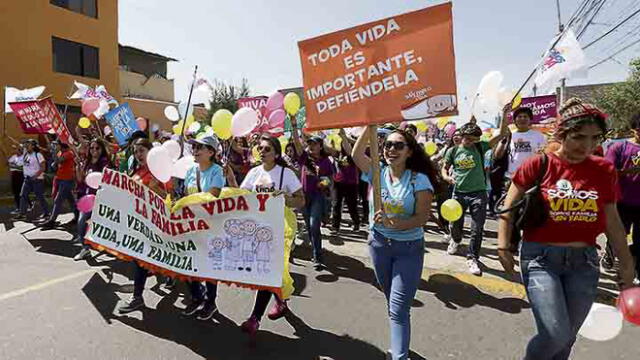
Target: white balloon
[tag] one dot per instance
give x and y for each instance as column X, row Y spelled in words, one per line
column 173, row 149
column 182, row 106
column 159, row 163
column 193, row 128
column 603, row 323
column 93, row 179
column 244, row 121
column 490, row 85
column 181, row 166
column 171, row 113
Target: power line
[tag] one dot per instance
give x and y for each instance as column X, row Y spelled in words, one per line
column 595, row 13
column 612, row 29
column 614, row 54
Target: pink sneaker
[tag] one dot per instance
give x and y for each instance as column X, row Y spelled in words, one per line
column 250, row 326
column 278, row 310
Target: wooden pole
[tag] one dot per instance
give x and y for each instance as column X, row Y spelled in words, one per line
column 4, row 111
column 375, row 167
column 186, row 112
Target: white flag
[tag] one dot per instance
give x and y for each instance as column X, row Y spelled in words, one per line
column 13, row 95
column 86, row 92
column 561, row 62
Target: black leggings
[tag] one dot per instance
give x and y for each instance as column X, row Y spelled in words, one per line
column 17, row 178
column 261, row 303
column 348, row 192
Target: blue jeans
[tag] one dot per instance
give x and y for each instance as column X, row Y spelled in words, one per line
column 81, row 228
column 476, row 202
column 398, row 269
column 313, row 212
column 561, row 284
column 65, row 192
column 37, row 186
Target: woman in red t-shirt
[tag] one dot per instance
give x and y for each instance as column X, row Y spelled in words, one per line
column 558, row 259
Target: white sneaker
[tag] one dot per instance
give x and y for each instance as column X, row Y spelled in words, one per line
column 473, row 267
column 636, row 281
column 452, row 249
column 446, row 238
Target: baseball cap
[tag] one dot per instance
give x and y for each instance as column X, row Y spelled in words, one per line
column 315, row 138
column 207, row 140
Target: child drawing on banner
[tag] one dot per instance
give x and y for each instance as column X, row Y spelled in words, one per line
column 216, row 248
column 248, row 228
column 233, row 243
column 264, row 237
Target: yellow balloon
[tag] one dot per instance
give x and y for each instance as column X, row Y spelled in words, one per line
column 84, row 122
column 283, row 142
column 256, row 154
column 221, row 123
column 177, row 128
column 517, row 101
column 442, row 122
column 430, row 148
column 421, row 126
column 451, row 210
column 292, row 103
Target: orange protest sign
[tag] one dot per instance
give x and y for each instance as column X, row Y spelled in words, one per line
column 399, row 68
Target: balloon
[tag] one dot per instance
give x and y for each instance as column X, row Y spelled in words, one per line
column 275, row 101
column 89, row 106
column 276, row 119
column 142, row 123
column 221, row 123
column 629, row 304
column 107, row 130
column 442, row 122
column 102, row 109
column 173, row 149
column 256, row 154
column 93, row 179
column 155, row 127
column 505, row 96
column 181, row 166
column 451, row 210
column 159, row 162
column 244, row 121
column 182, row 107
column 292, row 103
column 489, row 86
column 84, row 122
column 171, row 113
column 177, row 128
column 283, row 142
column 194, row 127
column 517, row 101
column 85, row 204
column 603, row 323
column 421, row 126
column 430, row 148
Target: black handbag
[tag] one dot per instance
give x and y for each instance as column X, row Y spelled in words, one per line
column 530, row 211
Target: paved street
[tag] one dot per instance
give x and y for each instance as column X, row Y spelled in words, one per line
column 55, row 308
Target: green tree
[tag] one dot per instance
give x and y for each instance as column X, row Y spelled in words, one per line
column 225, row 96
column 621, row 101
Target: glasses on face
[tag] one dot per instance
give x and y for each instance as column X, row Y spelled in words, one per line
column 398, row 145
column 264, row 149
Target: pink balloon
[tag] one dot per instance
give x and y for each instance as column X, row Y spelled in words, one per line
column 264, row 112
column 142, row 123
column 89, row 106
column 275, row 101
column 85, row 204
column 276, row 119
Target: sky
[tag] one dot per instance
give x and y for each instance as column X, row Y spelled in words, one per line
column 257, row 40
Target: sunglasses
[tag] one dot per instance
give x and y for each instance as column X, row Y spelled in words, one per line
column 265, row 149
column 398, row 145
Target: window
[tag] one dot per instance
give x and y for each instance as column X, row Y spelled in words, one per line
column 76, row 59
column 86, row 7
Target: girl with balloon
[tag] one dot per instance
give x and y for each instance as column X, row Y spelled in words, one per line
column 275, row 177
column 94, row 161
column 558, row 256
column 396, row 238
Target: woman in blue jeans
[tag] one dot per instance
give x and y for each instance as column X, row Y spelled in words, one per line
column 396, row 238
column 558, row 258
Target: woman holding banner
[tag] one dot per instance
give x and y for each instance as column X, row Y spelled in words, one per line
column 273, row 176
column 205, row 176
column 142, row 174
column 95, row 161
column 316, row 171
column 396, row 238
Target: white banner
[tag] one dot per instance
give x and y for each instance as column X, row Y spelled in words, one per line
column 235, row 239
column 12, row 94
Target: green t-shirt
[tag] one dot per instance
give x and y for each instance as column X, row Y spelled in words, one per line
column 468, row 167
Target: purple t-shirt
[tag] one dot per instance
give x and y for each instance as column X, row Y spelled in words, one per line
column 310, row 177
column 626, row 155
column 347, row 171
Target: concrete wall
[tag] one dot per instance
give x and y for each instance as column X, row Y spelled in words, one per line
column 139, row 86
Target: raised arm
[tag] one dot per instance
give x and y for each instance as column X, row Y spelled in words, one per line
column 297, row 143
column 504, row 127
column 362, row 161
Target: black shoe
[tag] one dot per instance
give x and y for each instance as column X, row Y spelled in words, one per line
column 356, row 227
column 19, row 217
column 208, row 310
column 192, row 308
column 170, row 283
column 49, row 224
column 133, row 304
column 318, row 265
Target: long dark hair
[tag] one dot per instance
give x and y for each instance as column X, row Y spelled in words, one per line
column 139, row 142
column 103, row 154
column 419, row 161
column 277, row 149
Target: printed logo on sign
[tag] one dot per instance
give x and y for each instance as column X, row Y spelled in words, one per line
column 569, row 204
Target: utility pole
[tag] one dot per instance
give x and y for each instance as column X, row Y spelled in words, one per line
column 560, row 29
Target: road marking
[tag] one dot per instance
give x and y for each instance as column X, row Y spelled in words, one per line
column 44, row 284
column 488, row 284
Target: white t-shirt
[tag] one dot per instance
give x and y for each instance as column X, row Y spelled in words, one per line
column 261, row 181
column 523, row 146
column 16, row 163
column 32, row 164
